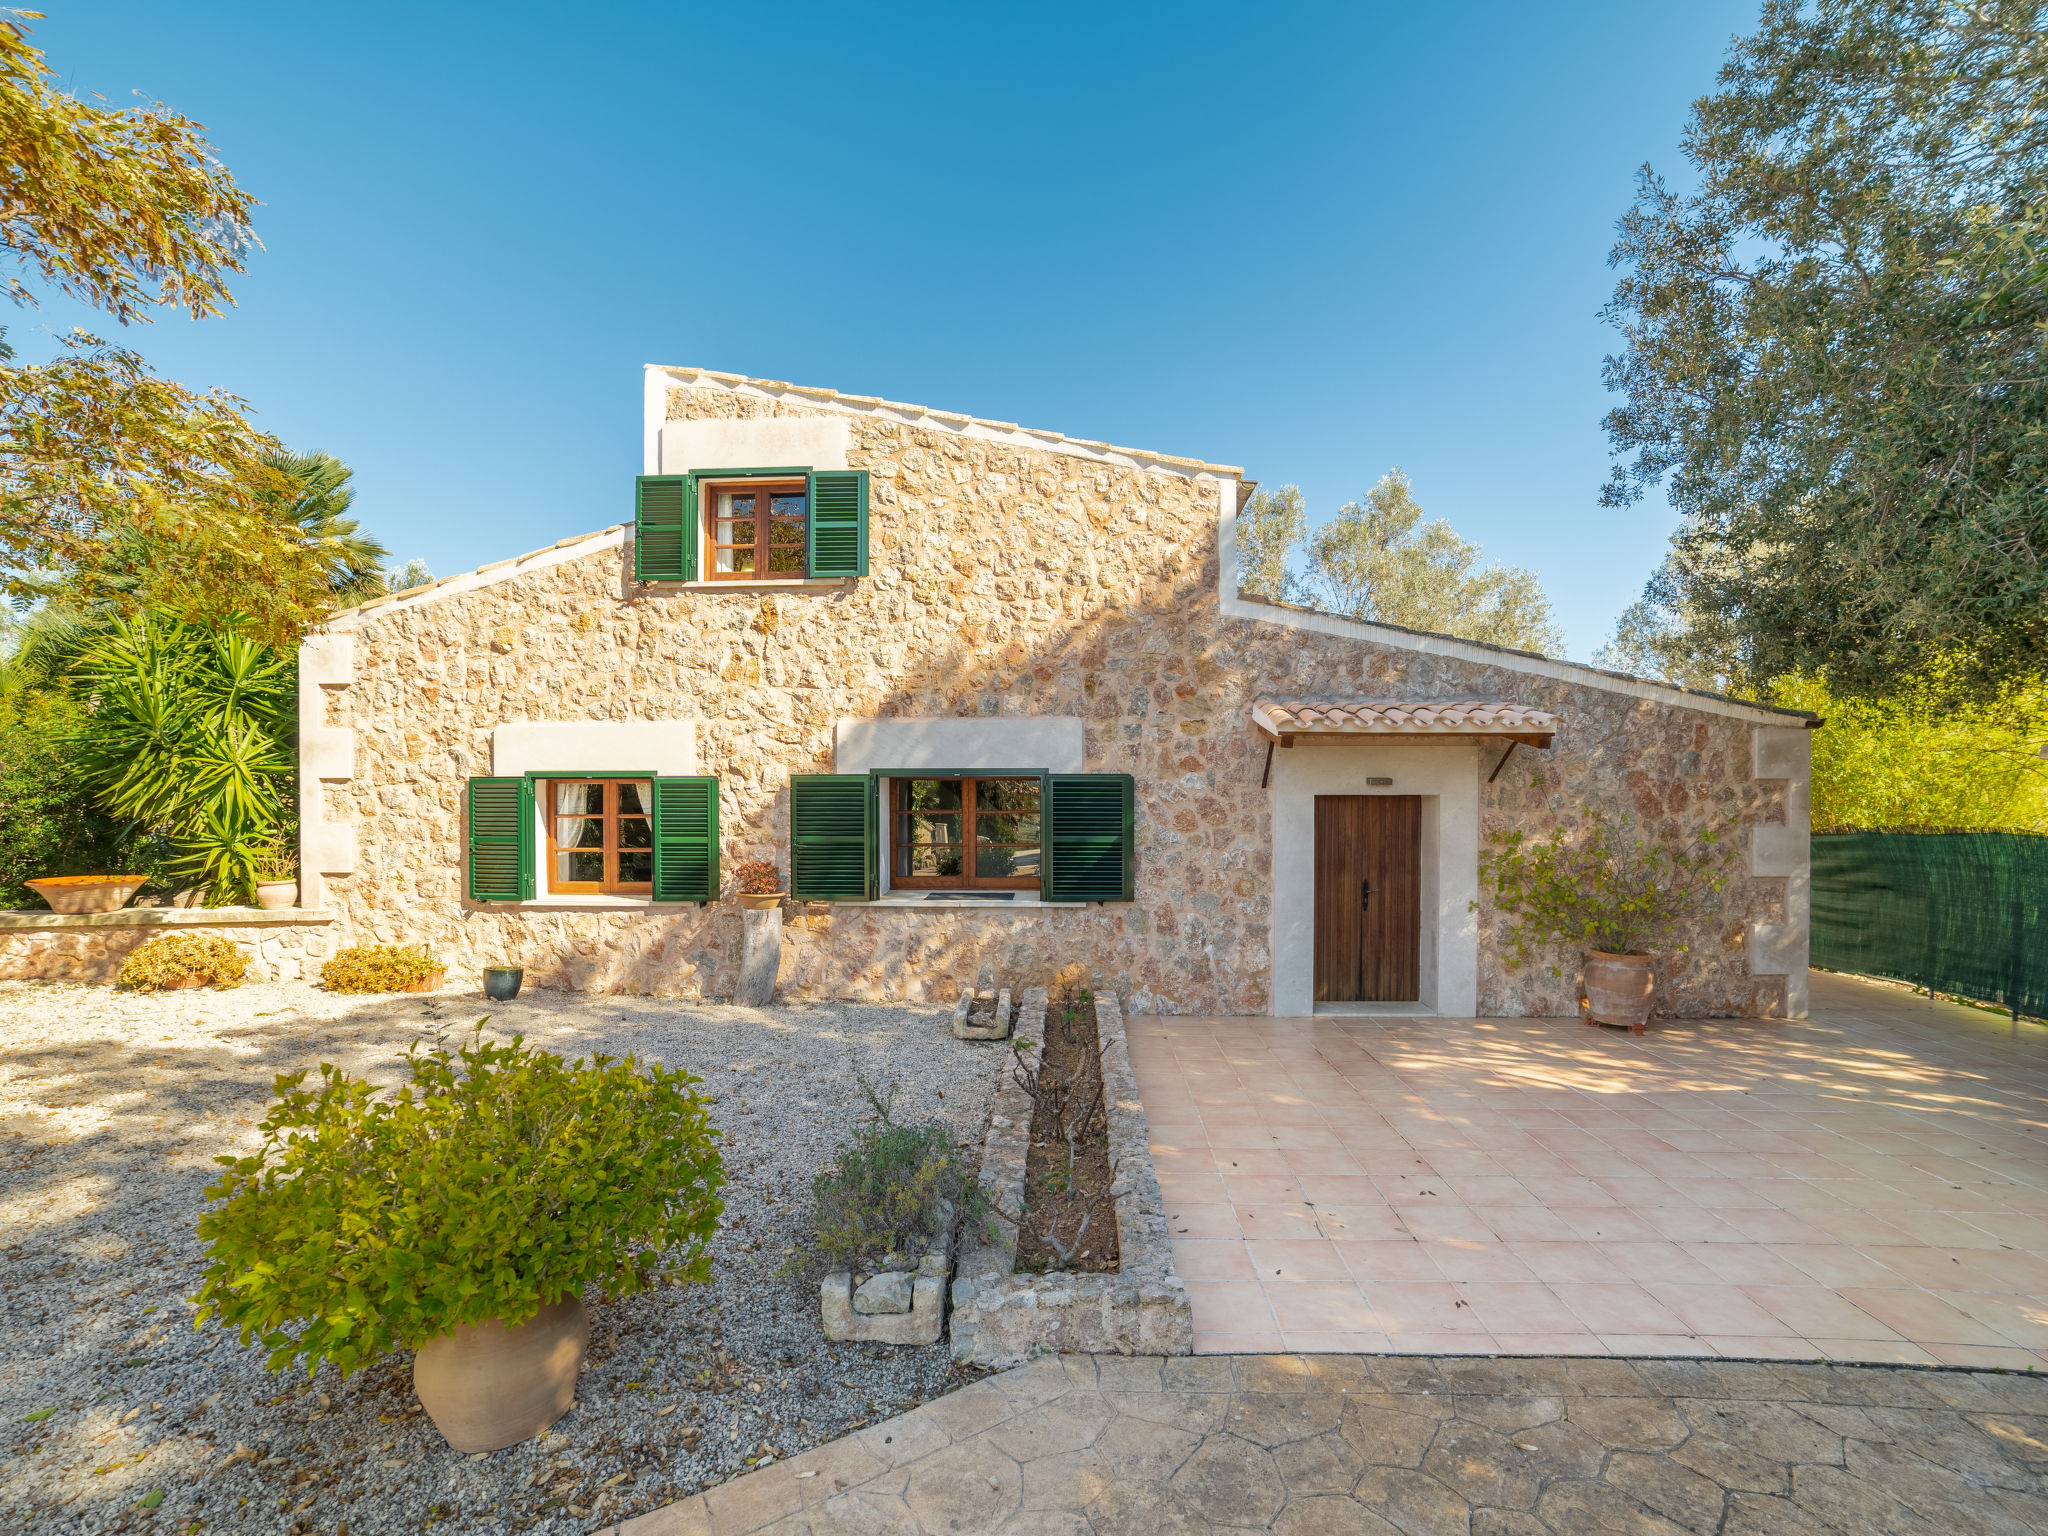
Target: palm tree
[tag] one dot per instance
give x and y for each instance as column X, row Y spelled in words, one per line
column 318, row 503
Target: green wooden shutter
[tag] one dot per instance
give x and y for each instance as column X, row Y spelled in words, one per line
column 836, row 532
column 832, row 837
column 686, row 839
column 665, row 528
column 1087, row 828
column 500, row 840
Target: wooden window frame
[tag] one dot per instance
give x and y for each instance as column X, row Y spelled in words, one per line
column 611, row 885
column 970, row 815
column 768, row 486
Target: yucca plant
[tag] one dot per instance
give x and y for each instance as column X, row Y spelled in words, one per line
column 189, row 732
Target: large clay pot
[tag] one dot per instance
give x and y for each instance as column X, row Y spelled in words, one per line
column 762, row 901
column 276, row 895
column 1619, row 989
column 87, row 893
column 487, row 1386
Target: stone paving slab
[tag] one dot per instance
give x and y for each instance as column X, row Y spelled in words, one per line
column 1303, row 1445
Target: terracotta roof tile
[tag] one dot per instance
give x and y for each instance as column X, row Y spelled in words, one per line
column 1403, row 717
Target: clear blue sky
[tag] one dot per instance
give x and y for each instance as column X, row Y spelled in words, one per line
column 1315, row 241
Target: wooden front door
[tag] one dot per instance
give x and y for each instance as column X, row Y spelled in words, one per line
column 1368, row 898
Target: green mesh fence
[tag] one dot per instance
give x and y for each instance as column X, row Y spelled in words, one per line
column 1961, row 912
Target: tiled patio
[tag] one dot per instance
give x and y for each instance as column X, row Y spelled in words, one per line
column 1868, row 1184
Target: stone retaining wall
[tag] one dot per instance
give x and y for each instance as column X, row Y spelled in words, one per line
column 1000, row 1317
column 89, row 946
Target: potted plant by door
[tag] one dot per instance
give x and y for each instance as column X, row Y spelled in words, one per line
column 1603, row 891
column 758, row 884
column 462, row 1217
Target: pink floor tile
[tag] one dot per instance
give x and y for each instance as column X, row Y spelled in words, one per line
column 1277, row 1221
column 1817, row 1312
column 1978, row 1357
column 1367, row 1223
column 1874, row 1352
column 1323, row 1306
column 1762, row 1347
column 1525, row 1223
column 1607, row 1224
column 2019, row 1320
column 1644, row 1262
column 1185, row 1219
column 1319, row 1162
column 1746, row 1264
column 1448, row 1220
column 1717, row 1309
column 1212, row 1259
column 1291, row 1261
column 1332, row 1342
column 1557, row 1263
column 1443, row 1344
column 1266, row 1343
column 1386, row 1262
column 1229, row 1306
column 1520, row 1309
column 1618, row 1309
column 1922, row 1316
column 1466, row 1259
column 1549, row 1344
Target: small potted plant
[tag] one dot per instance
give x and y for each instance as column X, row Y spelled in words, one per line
column 277, row 876
column 1602, row 890
column 462, row 1216
column 758, row 884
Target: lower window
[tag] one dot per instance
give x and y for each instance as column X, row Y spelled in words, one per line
column 964, row 834
column 600, row 837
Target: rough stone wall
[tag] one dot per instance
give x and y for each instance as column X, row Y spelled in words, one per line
column 278, row 953
column 1006, row 580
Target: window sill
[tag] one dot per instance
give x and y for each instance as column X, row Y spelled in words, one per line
column 766, row 584
column 971, row 903
column 596, row 903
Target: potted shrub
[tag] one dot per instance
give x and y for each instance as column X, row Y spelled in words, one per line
column 277, row 877
column 178, row 960
column 383, row 968
column 1611, row 895
column 758, row 884
column 462, row 1216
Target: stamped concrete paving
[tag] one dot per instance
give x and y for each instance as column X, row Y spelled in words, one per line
column 1868, row 1184
column 1304, row 1445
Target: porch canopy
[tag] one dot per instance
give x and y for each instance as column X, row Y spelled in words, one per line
column 1283, row 720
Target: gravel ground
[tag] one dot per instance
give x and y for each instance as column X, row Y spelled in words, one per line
column 112, row 1107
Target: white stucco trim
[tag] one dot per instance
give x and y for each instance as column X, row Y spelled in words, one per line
column 754, row 442
column 594, row 746
column 661, row 377
column 1444, row 772
column 1785, row 850
column 483, row 576
column 327, row 755
column 1051, row 743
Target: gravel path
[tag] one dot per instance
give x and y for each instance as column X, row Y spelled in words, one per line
column 112, row 1107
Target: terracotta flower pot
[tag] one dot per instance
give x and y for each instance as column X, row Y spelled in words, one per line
column 275, row 895
column 1618, row 989
column 431, row 982
column 762, row 901
column 487, row 1386
column 87, row 893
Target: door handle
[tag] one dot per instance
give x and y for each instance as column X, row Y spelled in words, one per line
column 1364, row 895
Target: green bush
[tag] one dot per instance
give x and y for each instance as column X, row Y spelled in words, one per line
column 171, row 958
column 889, row 1189
column 500, row 1180
column 48, row 822
column 377, row 968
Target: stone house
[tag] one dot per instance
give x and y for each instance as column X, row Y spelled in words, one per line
column 992, row 698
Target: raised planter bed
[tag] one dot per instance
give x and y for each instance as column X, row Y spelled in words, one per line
column 1004, row 1313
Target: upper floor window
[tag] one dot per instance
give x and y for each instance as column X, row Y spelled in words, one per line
column 964, row 833
column 756, row 528
column 600, row 837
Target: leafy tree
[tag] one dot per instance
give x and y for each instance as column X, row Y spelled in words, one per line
column 316, row 504
column 190, row 735
column 1269, row 530
column 129, row 211
column 403, row 578
column 1378, row 561
column 46, row 827
column 1834, row 348
column 1919, row 758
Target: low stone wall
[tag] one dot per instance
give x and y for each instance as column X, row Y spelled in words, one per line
column 283, row 945
column 1001, row 1317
